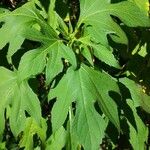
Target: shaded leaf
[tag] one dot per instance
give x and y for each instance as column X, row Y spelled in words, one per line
column 137, row 94
column 96, row 16
column 105, row 55
column 138, row 136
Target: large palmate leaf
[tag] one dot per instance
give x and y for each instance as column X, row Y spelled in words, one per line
column 19, row 99
column 137, row 94
column 97, row 14
column 14, row 23
column 103, row 85
column 24, row 100
column 85, row 86
column 52, row 49
column 34, row 61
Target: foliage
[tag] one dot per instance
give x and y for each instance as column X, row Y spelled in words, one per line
column 74, row 75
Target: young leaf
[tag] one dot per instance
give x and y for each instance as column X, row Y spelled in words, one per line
column 105, row 55
column 87, row 54
column 57, row 140
column 32, row 128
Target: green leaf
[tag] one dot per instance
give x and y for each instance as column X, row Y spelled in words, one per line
column 24, row 100
column 55, row 64
column 41, row 32
column 132, row 16
column 52, row 15
column 137, row 94
column 143, row 5
column 32, row 63
column 57, row 140
column 138, row 135
column 7, row 89
column 98, row 31
column 72, row 138
column 97, row 14
column 2, row 145
column 68, row 54
column 108, row 84
column 63, row 102
column 83, row 86
column 143, row 51
column 87, row 91
column 105, row 55
column 87, row 54
column 32, row 128
column 14, row 24
column 20, row 98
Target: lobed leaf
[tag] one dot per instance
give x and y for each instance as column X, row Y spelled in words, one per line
column 19, row 98
column 7, row 89
column 13, row 24
column 138, row 135
column 84, row 87
column 137, row 94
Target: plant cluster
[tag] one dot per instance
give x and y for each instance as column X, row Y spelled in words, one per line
column 74, row 74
